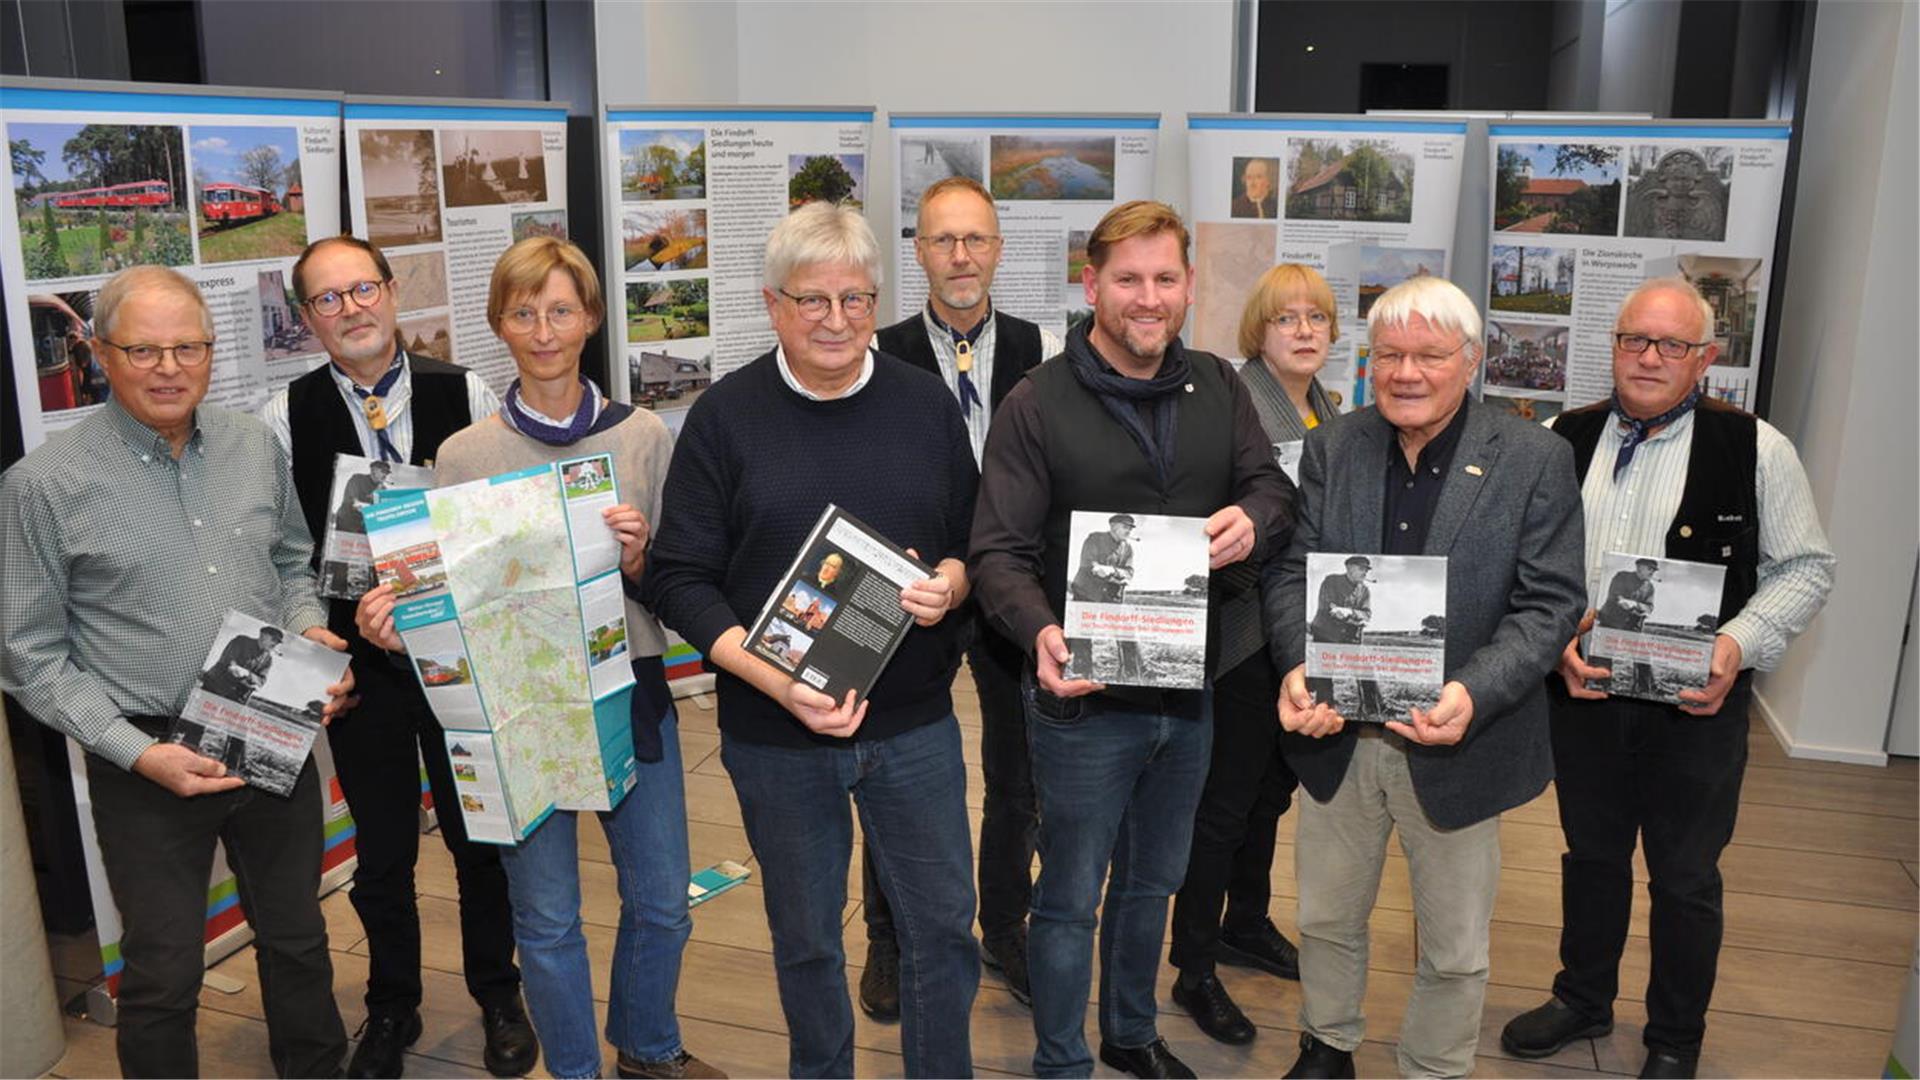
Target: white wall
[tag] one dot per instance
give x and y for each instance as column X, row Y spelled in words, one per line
column 1845, row 380
column 1164, row 56
column 1639, row 43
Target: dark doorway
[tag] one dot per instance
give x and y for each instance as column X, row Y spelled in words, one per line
column 1403, row 86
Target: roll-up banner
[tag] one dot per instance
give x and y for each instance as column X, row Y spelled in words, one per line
column 1367, row 202
column 692, row 192
column 443, row 187
column 227, row 185
column 1052, row 177
column 1583, row 212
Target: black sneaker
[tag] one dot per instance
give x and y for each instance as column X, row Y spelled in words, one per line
column 384, row 1038
column 880, row 982
column 1263, row 947
column 1006, row 955
column 512, row 1047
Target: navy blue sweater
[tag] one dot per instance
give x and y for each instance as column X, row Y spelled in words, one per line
column 754, row 467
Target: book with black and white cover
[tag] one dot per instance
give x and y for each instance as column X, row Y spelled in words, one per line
column 346, row 563
column 1654, row 625
column 257, row 705
column 1376, row 633
column 1136, row 611
column 835, row 619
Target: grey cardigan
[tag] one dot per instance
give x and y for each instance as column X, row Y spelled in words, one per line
column 1510, row 521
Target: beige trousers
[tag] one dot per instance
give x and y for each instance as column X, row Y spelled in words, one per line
column 1339, row 850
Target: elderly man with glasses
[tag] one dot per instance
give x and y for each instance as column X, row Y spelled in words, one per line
column 123, row 544
column 823, row 419
column 1424, row 471
column 1669, row 472
column 375, row 400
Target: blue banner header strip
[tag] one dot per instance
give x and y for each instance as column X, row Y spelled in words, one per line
column 115, row 101
column 360, row 110
column 1640, row 131
column 1123, row 123
column 1276, row 123
column 684, row 115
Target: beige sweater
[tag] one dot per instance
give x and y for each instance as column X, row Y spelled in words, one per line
column 640, row 445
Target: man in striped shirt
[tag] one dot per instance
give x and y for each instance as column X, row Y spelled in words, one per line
column 1671, row 473
column 124, row 542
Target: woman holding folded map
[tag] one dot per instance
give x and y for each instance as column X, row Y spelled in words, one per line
column 544, row 302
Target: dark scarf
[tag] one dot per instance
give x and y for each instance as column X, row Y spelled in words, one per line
column 1637, row 429
column 595, row 415
column 963, row 344
column 1127, row 399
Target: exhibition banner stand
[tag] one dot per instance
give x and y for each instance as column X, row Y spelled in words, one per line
column 443, row 187
column 227, row 185
column 1053, row 176
column 1583, row 212
column 691, row 193
column 1367, row 202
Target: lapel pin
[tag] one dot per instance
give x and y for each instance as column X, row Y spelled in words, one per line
column 1686, row 530
column 1189, row 388
column 1475, row 470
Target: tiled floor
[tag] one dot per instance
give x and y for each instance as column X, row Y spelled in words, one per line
column 1821, row 910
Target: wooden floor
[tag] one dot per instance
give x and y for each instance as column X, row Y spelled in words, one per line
column 1820, row 897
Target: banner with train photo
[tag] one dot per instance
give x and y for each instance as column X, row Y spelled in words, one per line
column 226, row 185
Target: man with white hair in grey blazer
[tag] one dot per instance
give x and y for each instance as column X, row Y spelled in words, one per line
column 1424, row 471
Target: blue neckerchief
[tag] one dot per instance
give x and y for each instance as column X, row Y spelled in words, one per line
column 1637, row 429
column 963, row 355
column 522, row 420
column 372, row 404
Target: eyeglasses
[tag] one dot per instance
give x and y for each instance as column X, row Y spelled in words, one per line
column 1287, row 320
column 815, row 307
column 332, row 302
column 976, row 243
column 187, row 354
column 522, row 320
column 1427, row 361
column 1670, row 348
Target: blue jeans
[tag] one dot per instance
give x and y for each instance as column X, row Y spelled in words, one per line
column 647, row 833
column 910, row 790
column 1115, row 788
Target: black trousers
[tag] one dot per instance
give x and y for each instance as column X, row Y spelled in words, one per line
column 1010, row 819
column 1249, row 786
column 377, row 750
column 1627, row 769
column 158, row 852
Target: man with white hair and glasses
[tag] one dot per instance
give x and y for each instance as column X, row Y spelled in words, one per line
column 1667, row 471
column 1424, row 471
column 823, row 419
column 124, row 542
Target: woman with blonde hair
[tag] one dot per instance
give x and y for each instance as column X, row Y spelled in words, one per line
column 544, row 302
column 1285, row 331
